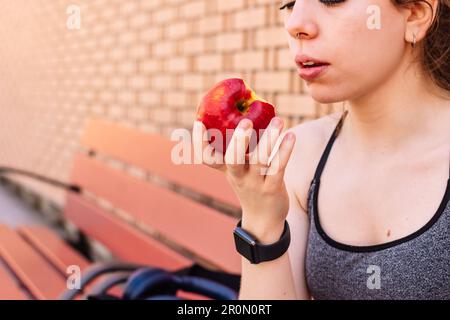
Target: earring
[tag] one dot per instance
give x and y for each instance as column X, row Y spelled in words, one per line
column 413, row 44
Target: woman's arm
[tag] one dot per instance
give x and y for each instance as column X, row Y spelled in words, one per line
column 283, row 278
column 299, row 224
column 289, row 270
column 277, row 279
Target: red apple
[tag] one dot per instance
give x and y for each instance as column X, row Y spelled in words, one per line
column 227, row 103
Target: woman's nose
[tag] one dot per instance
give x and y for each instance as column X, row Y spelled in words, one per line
column 301, row 22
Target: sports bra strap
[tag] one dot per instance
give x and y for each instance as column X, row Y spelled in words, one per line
column 326, row 153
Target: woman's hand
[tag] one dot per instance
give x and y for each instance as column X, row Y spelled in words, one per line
column 258, row 183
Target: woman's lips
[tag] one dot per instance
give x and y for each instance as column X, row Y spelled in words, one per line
column 311, row 73
column 310, row 68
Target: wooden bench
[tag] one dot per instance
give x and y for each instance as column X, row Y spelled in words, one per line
column 157, row 221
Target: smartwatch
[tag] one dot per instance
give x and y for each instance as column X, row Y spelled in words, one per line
column 255, row 252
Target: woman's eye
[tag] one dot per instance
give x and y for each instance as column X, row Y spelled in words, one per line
column 288, row 5
column 328, row 3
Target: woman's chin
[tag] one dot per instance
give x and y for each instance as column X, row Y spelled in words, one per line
column 326, row 96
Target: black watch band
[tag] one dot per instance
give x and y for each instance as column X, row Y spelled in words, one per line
column 249, row 247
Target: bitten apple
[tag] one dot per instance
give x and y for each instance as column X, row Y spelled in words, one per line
column 229, row 102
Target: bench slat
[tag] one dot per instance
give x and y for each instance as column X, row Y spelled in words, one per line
column 34, row 272
column 60, row 254
column 123, row 240
column 152, row 152
column 9, row 289
column 50, row 245
column 200, row 229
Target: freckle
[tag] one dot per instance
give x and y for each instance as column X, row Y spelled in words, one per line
column 389, row 233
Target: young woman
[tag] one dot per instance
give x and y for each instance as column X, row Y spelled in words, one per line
column 380, row 226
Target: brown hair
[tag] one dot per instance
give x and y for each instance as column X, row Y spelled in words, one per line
column 434, row 51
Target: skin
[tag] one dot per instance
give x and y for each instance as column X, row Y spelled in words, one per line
column 388, row 168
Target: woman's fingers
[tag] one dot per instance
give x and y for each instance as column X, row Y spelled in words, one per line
column 235, row 156
column 198, row 141
column 259, row 158
column 204, row 152
column 275, row 173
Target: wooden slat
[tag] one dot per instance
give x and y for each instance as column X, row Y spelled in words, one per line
column 60, row 254
column 30, row 267
column 152, row 152
column 9, row 288
column 123, row 240
column 191, row 296
column 50, row 245
column 196, row 227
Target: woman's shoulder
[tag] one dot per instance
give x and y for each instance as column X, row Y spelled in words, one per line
column 316, row 130
column 311, row 139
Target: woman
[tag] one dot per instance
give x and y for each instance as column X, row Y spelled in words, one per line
column 380, row 228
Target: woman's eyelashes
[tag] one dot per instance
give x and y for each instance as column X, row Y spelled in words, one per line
column 328, row 3
column 288, row 5
column 331, row 3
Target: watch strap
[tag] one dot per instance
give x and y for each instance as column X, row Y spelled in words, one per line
column 269, row 252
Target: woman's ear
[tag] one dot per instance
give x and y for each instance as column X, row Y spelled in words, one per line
column 420, row 17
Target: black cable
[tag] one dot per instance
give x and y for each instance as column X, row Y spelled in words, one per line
column 69, row 187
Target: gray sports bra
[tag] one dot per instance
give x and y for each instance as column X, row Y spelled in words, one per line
column 414, row 267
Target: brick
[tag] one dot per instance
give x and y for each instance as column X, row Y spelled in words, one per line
column 149, row 98
column 193, row 45
column 193, row 81
column 249, row 19
column 248, row 60
column 211, row 62
column 164, row 49
column 271, row 37
column 177, row 30
column 150, row 65
column 193, row 9
column 211, row 24
column 278, row 81
column 139, row 82
column 178, row 64
column 230, row 42
column 229, row 5
column 164, row 15
column 285, row 59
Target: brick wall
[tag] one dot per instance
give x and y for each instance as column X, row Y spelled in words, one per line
column 142, row 62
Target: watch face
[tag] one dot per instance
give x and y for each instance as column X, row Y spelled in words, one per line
column 244, row 244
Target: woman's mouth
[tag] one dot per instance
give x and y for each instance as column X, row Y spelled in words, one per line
column 310, row 68
column 312, row 72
